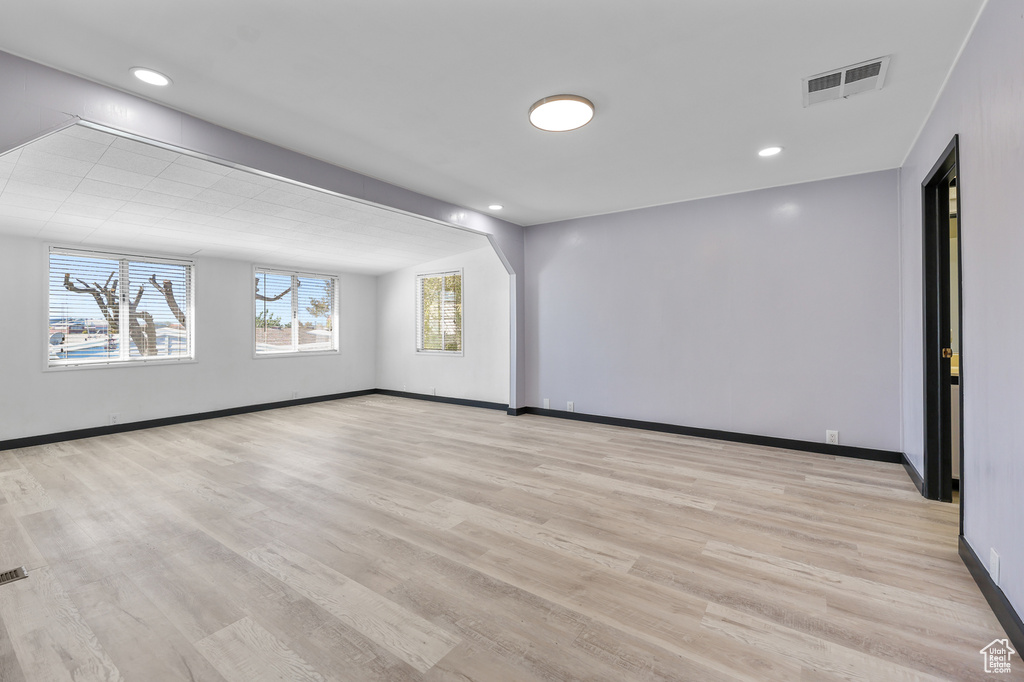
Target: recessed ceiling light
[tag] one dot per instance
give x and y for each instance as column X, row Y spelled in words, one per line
column 769, row 151
column 495, row 207
column 150, row 76
column 560, row 113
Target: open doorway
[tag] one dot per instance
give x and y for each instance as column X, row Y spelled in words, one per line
column 943, row 368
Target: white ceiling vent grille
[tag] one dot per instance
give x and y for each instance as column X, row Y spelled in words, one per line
column 849, row 80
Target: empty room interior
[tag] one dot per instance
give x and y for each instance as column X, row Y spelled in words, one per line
column 512, row 341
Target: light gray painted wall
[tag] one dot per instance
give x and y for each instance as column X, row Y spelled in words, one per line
column 481, row 372
column 35, row 99
column 773, row 312
column 35, row 402
column 983, row 102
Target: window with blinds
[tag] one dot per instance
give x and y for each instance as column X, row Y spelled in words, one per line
column 295, row 313
column 439, row 312
column 114, row 308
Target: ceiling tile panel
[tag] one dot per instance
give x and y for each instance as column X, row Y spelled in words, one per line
column 237, row 187
column 35, row 158
column 71, row 147
column 191, row 176
column 45, row 177
column 117, row 176
column 29, row 202
column 31, row 190
column 174, row 188
column 130, row 161
column 135, row 195
column 108, row 190
column 141, row 148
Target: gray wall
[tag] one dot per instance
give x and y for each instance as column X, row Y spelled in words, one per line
column 984, row 103
column 35, row 401
column 481, row 372
column 773, row 312
column 35, row 99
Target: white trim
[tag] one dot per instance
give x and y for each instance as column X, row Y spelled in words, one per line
column 296, row 351
column 123, row 258
column 418, row 311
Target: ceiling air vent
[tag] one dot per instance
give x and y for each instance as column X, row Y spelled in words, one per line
column 849, row 80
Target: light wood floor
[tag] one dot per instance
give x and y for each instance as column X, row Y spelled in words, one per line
column 386, row 539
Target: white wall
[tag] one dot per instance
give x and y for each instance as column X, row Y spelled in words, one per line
column 773, row 312
column 35, row 402
column 482, row 371
column 983, row 102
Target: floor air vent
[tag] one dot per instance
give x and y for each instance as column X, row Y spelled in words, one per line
column 12, row 575
column 849, row 80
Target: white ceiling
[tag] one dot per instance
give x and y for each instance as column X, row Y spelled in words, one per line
column 89, row 187
column 433, row 96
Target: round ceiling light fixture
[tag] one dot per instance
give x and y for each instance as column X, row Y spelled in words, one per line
column 769, row 151
column 150, row 76
column 560, row 113
column 495, row 207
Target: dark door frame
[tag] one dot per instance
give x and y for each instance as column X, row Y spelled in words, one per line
column 938, row 469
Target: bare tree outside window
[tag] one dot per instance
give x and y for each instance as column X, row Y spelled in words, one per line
column 96, row 318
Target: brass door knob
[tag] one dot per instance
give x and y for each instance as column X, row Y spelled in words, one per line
column 947, row 352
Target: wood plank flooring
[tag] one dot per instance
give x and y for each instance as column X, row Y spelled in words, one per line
column 384, row 539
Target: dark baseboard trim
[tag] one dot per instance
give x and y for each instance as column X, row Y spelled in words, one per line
column 48, row 438
column 998, row 602
column 804, row 446
column 914, row 476
column 749, row 439
column 442, row 399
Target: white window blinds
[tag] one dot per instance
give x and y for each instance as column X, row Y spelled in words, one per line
column 295, row 313
column 439, row 312
column 110, row 308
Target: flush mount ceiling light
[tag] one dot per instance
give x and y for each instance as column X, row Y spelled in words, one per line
column 150, row 76
column 495, row 207
column 769, row 151
column 560, row 113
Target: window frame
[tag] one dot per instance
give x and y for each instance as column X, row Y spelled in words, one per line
column 418, row 312
column 335, row 312
column 124, row 258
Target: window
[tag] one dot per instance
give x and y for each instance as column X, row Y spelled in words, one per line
column 439, row 312
column 112, row 308
column 295, row 313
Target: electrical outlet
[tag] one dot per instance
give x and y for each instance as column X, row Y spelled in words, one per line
column 114, row 419
column 993, row 565
column 295, row 394
column 433, row 391
column 832, row 437
column 547, row 404
column 570, row 406
column 405, row 388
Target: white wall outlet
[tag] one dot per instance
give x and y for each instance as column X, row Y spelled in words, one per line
column 547, row 403
column 993, row 565
column 433, row 391
column 570, row 406
column 295, row 394
column 405, row 388
column 832, row 437
column 114, row 419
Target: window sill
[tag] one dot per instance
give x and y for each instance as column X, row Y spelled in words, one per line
column 129, row 363
column 295, row 354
